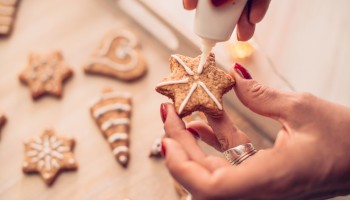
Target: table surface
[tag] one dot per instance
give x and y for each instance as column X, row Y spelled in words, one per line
column 75, row 28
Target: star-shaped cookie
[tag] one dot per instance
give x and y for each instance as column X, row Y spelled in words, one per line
column 193, row 89
column 48, row 155
column 45, row 74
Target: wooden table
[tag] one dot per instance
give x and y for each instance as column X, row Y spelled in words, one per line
column 75, row 28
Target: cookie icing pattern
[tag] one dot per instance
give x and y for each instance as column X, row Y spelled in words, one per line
column 48, row 155
column 118, row 57
column 111, row 112
column 193, row 88
column 45, row 74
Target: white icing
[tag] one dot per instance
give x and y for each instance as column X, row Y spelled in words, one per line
column 120, row 149
column 32, row 153
column 187, row 69
column 38, row 140
column 63, row 149
column 122, row 159
column 36, row 146
column 46, row 151
column 121, row 52
column 131, row 41
column 56, row 144
column 112, row 107
column 117, row 66
column 55, row 163
column 25, row 164
column 40, row 164
column 46, row 175
column 173, row 82
column 210, row 94
column 71, row 161
column 110, row 95
column 47, row 163
column 57, row 154
column 112, row 122
column 117, row 137
column 183, row 104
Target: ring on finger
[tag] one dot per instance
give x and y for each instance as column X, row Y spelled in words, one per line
column 238, row 154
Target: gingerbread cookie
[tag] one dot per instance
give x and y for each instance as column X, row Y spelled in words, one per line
column 7, row 15
column 156, row 151
column 2, row 120
column 112, row 112
column 119, row 56
column 193, row 88
column 45, row 74
column 48, row 155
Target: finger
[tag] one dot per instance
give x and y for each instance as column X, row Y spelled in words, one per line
column 258, row 10
column 245, row 29
column 260, row 99
column 189, row 4
column 175, row 128
column 205, row 133
column 182, row 168
column 227, row 133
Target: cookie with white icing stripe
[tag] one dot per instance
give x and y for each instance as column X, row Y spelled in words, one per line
column 112, row 112
column 48, row 155
column 118, row 56
column 45, row 74
column 7, row 14
column 192, row 89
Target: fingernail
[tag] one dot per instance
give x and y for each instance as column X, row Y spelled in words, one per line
column 163, row 148
column 163, row 112
column 183, row 4
column 194, row 132
column 218, row 3
column 242, row 71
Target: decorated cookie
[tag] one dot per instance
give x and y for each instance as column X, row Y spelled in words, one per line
column 195, row 89
column 111, row 112
column 118, row 56
column 45, row 74
column 184, row 194
column 48, row 155
column 156, row 151
column 2, row 120
column 7, row 15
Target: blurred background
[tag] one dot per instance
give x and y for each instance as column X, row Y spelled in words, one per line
column 299, row 46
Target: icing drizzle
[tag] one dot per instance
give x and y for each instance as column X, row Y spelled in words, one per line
column 194, row 85
column 112, row 122
column 120, row 52
column 112, row 107
column 46, row 152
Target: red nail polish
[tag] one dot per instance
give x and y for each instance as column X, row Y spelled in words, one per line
column 242, row 71
column 163, row 149
column 163, row 112
column 218, row 3
column 194, row 132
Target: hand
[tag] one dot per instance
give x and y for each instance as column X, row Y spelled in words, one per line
column 253, row 13
column 309, row 159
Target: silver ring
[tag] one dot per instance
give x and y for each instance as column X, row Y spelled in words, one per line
column 239, row 153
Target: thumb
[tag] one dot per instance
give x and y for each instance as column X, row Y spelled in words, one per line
column 259, row 98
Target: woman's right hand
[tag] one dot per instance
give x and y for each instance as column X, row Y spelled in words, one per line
column 309, row 159
column 253, row 13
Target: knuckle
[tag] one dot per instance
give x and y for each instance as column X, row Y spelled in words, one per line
column 301, row 102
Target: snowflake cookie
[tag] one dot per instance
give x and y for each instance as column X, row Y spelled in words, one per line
column 48, row 155
column 195, row 89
